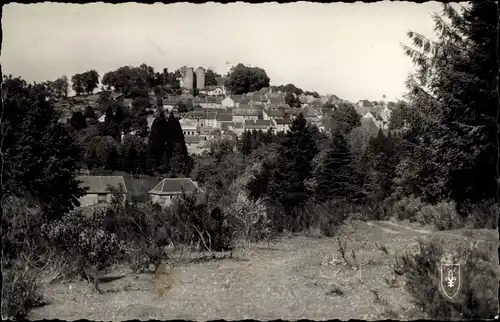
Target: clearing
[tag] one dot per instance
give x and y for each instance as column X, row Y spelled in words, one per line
column 293, row 278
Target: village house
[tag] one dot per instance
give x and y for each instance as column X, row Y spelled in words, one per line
column 214, row 90
column 169, row 188
column 272, row 114
column 226, row 127
column 241, row 115
column 292, row 113
column 202, row 118
column 196, row 145
column 210, row 102
column 262, row 125
column 209, row 133
column 189, row 127
column 364, row 106
column 224, row 117
column 98, row 189
column 238, row 128
column 236, row 99
column 313, row 115
column 259, row 101
column 169, row 104
column 282, row 125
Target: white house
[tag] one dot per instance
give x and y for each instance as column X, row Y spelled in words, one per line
column 98, row 189
column 282, row 125
column 169, row 104
column 189, row 127
column 241, row 115
column 165, row 191
column 214, row 90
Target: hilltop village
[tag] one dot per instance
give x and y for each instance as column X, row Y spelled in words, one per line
column 207, row 112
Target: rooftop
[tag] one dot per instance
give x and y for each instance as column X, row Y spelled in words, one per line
column 99, row 184
column 170, row 186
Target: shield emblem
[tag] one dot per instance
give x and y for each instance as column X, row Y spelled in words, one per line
column 450, row 279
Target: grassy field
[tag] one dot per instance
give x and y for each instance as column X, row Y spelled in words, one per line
column 292, row 278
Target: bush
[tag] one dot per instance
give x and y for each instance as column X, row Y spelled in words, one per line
column 21, row 221
column 20, row 291
column 483, row 215
column 407, row 208
column 328, row 216
column 144, row 231
column 442, row 216
column 84, row 239
column 247, row 219
column 477, row 297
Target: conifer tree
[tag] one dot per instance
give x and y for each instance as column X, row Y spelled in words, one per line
column 88, row 112
column 181, row 164
column 452, row 117
column 245, row 143
column 119, row 115
column 335, row 176
column 287, row 181
column 77, row 121
column 157, row 143
column 112, row 160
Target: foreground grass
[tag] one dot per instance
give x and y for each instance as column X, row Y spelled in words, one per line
column 293, row 278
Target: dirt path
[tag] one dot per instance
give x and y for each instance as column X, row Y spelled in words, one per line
column 295, row 278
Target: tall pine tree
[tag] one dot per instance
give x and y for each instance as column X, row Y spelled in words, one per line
column 453, row 108
column 335, row 176
column 287, row 181
column 157, row 144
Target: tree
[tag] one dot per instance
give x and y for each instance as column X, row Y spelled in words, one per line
column 453, row 107
column 85, row 82
column 109, row 115
column 397, row 116
column 77, row 121
column 287, row 182
column 345, row 119
column 112, row 159
column 335, row 176
column 88, row 112
column 211, row 78
column 180, row 161
column 245, row 79
column 291, row 100
column 90, row 81
column 245, row 143
column 77, row 84
column 119, row 115
column 62, row 85
column 39, row 155
column 380, row 164
column 157, row 143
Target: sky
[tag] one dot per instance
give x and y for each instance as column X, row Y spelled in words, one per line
column 351, row 50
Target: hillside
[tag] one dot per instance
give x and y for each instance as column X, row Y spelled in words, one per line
column 293, row 278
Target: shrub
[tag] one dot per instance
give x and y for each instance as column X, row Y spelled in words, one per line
column 477, row 297
column 144, row 230
column 443, row 216
column 84, row 239
column 328, row 216
column 21, row 221
column 248, row 219
column 483, row 215
column 20, row 291
column 407, row 208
